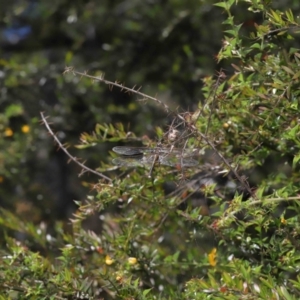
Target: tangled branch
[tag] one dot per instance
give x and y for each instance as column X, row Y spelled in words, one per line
column 190, row 124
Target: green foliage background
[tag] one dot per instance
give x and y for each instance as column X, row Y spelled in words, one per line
column 126, row 239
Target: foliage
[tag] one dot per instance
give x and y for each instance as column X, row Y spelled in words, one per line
column 214, row 241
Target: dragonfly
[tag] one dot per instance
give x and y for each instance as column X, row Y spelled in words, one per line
column 143, row 156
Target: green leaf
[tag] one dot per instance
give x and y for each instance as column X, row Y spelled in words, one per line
column 13, row 110
column 283, row 291
column 290, row 16
column 288, row 70
column 277, row 17
column 146, row 292
column 296, row 160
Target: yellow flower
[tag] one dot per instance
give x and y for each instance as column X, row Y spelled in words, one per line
column 132, row 260
column 25, row 128
column 283, row 221
column 212, row 257
column 8, row 132
column 108, row 260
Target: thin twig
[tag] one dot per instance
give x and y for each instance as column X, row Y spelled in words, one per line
column 272, row 200
column 279, row 30
column 119, row 85
column 74, row 159
column 213, row 104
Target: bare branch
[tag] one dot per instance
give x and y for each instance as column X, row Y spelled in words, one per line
column 120, row 86
column 64, row 148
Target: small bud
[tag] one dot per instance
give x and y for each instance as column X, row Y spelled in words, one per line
column 212, row 257
column 132, row 260
column 8, row 132
column 25, row 129
column 108, row 260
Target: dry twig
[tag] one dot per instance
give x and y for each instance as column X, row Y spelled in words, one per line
column 74, row 159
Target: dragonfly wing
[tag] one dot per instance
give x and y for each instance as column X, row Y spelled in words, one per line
column 173, row 161
column 131, row 161
column 127, row 162
column 189, row 162
column 123, row 150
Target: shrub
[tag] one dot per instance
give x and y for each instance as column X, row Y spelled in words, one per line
column 227, row 229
